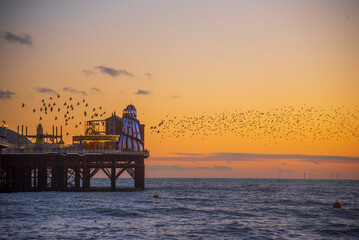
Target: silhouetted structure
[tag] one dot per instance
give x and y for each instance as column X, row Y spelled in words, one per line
column 45, row 167
column 68, row 170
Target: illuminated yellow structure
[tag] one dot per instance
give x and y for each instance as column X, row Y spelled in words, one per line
column 101, row 134
column 95, row 141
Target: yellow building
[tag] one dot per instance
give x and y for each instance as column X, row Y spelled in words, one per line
column 102, row 134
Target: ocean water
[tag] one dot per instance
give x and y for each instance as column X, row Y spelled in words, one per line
column 188, row 209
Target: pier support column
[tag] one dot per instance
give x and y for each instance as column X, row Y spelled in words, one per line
column 27, row 178
column 9, row 183
column 35, row 177
column 113, row 176
column 21, row 178
column 86, row 176
column 77, row 178
column 140, row 173
column 42, row 177
column 58, row 180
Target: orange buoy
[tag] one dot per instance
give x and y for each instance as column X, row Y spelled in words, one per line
column 156, row 196
column 337, row 204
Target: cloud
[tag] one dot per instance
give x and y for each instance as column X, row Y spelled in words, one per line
column 188, row 154
column 202, row 168
column 88, row 72
column 215, row 168
column 114, row 72
column 284, row 170
column 148, row 75
column 6, row 95
column 45, row 90
column 72, row 90
column 347, row 16
column 245, row 157
column 222, row 168
column 95, row 90
column 23, row 39
column 176, row 96
column 142, row 92
column 177, row 168
column 299, row 157
column 174, row 168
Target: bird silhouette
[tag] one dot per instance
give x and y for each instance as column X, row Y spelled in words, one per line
column 70, row 113
column 279, row 124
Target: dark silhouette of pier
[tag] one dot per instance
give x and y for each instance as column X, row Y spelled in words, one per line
column 68, row 169
column 114, row 145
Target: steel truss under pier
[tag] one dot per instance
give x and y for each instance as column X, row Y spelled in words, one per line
column 21, row 172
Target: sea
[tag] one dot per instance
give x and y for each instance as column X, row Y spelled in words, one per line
column 187, row 209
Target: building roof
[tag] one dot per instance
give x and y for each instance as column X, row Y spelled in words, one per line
column 130, row 107
column 113, row 117
column 11, row 136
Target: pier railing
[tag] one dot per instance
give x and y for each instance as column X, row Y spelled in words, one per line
column 105, row 151
column 57, row 148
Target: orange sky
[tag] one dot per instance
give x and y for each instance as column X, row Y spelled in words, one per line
column 193, row 58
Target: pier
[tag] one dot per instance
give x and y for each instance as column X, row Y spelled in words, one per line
column 68, row 170
column 114, row 145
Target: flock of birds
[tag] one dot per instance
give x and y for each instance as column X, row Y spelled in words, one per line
column 65, row 110
column 286, row 123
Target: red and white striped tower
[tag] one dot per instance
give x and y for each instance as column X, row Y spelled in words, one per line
column 130, row 138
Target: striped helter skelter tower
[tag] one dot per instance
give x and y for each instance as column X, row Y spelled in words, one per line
column 130, row 138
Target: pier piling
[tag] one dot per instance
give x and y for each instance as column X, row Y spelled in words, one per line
column 69, row 171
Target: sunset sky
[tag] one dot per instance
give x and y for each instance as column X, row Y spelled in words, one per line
column 196, row 58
